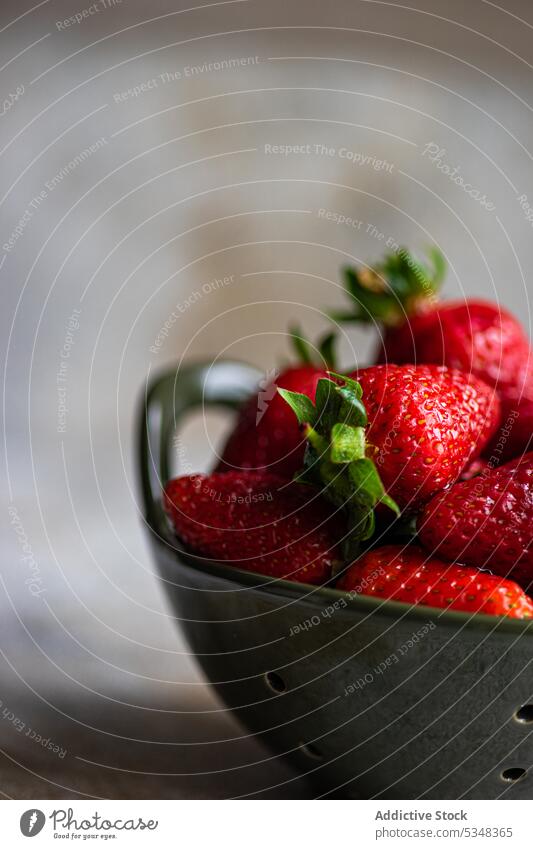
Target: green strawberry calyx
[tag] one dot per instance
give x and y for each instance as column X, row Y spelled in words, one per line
column 393, row 289
column 322, row 355
column 336, row 454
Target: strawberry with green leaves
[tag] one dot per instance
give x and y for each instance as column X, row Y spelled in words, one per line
column 485, row 522
column 400, row 294
column 395, row 436
column 258, row 522
column 408, row 574
column 267, row 436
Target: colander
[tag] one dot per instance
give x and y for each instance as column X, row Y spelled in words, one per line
column 368, row 698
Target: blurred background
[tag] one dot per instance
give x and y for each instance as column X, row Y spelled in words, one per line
column 175, row 185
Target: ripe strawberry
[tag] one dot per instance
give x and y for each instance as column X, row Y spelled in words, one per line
column 516, row 433
column 425, row 423
column 474, row 336
column 258, row 522
column 394, row 434
column 486, row 522
column 267, row 436
column 407, row 574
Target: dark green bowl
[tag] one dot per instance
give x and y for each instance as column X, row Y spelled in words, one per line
column 369, row 698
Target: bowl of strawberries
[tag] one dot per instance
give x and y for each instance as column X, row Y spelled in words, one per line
column 353, row 575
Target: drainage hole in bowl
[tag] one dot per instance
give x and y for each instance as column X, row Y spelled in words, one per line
column 524, row 714
column 311, row 751
column 275, row 682
column 513, row 773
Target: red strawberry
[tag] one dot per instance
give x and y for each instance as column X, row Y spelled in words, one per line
column 407, row 574
column 516, row 433
column 391, row 434
column 486, row 522
column 479, row 338
column 475, row 336
column 267, row 435
column 258, row 522
column 425, row 424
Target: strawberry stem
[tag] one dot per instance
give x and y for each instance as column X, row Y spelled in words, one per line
column 335, row 457
column 393, row 289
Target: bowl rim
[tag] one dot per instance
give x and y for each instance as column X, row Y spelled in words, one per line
column 317, row 597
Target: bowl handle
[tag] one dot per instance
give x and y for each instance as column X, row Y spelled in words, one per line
column 167, row 399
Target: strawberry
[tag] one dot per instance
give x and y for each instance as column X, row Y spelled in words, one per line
column 258, row 522
column 475, row 336
column 394, row 435
column 407, row 574
column 426, row 423
column 267, row 435
column 516, row 434
column 486, row 522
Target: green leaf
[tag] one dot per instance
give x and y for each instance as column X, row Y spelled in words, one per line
column 317, row 442
column 326, row 394
column 352, row 282
column 322, row 356
column 349, row 383
column 347, row 443
column 335, row 458
column 369, row 526
column 344, row 316
column 361, row 521
column 439, row 266
column 351, row 548
column 392, row 288
column 390, row 503
column 309, row 473
column 301, row 346
column 301, row 405
column 364, row 475
column 352, row 410
column 326, row 349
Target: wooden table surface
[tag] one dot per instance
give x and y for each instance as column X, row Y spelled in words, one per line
column 187, row 762
column 99, row 695
column 71, row 743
